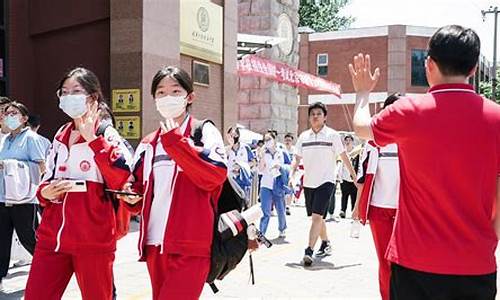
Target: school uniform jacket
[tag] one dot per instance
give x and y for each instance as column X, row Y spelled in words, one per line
column 196, row 184
column 84, row 221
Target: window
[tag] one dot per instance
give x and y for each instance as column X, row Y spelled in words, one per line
column 322, row 64
column 418, row 77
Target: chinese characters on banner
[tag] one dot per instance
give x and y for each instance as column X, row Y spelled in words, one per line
column 258, row 66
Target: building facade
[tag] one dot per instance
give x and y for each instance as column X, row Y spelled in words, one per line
column 398, row 50
column 125, row 42
column 264, row 104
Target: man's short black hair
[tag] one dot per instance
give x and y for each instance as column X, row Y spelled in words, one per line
column 315, row 106
column 289, row 135
column 455, row 50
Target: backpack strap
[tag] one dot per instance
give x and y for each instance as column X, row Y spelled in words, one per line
column 101, row 129
column 197, row 131
column 214, row 288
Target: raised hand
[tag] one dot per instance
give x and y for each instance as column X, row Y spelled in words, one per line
column 86, row 124
column 363, row 79
column 168, row 125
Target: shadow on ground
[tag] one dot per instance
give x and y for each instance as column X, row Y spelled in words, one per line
column 320, row 265
column 279, row 241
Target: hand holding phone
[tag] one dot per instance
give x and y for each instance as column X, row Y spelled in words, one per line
column 126, row 194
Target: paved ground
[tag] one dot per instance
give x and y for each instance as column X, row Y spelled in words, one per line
column 350, row 273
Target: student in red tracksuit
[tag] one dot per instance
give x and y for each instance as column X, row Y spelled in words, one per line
column 178, row 181
column 77, row 234
column 378, row 199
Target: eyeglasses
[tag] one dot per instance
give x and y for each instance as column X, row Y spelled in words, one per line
column 11, row 113
column 63, row 92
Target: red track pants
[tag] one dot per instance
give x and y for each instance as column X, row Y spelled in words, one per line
column 176, row 276
column 381, row 224
column 51, row 271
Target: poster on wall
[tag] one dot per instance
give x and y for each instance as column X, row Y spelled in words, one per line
column 129, row 127
column 201, row 73
column 126, row 100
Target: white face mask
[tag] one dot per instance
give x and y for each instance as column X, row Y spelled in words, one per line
column 74, row 106
column 171, row 106
column 12, row 122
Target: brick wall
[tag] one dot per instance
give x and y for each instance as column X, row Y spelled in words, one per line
column 262, row 103
column 340, row 54
column 208, row 103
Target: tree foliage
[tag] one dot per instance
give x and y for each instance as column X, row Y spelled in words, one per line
column 485, row 88
column 323, row 15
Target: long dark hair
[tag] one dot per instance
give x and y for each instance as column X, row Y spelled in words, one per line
column 90, row 83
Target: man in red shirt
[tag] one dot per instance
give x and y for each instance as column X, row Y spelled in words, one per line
column 445, row 235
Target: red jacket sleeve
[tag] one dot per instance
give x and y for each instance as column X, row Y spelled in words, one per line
column 206, row 167
column 111, row 163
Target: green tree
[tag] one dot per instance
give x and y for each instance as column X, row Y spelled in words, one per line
column 485, row 88
column 323, row 15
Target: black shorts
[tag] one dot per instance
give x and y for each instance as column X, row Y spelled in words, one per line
column 408, row 284
column 317, row 199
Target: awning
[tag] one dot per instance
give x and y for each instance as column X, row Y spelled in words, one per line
column 252, row 44
column 258, row 66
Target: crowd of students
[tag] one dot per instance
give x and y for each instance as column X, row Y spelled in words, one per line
column 433, row 221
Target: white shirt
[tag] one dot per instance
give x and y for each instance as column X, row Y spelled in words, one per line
column 345, row 175
column 268, row 174
column 242, row 156
column 165, row 172
column 2, row 138
column 386, row 185
column 165, row 168
column 319, row 153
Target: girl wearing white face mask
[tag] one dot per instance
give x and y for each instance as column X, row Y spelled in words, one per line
column 21, row 163
column 178, row 175
column 271, row 164
column 78, row 231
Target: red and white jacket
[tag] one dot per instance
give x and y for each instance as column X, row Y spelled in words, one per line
column 369, row 170
column 83, row 222
column 196, row 183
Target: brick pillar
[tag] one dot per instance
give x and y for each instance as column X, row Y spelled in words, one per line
column 396, row 60
column 264, row 104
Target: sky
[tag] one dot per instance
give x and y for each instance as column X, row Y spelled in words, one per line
column 432, row 13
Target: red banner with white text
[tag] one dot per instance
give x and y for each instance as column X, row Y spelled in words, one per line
column 258, row 66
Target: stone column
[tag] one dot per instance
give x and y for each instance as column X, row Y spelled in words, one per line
column 396, row 59
column 230, row 82
column 264, row 104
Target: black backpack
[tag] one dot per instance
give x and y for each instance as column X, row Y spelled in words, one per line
column 227, row 251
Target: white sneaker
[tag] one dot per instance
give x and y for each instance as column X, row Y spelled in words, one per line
column 1, row 286
column 282, row 235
